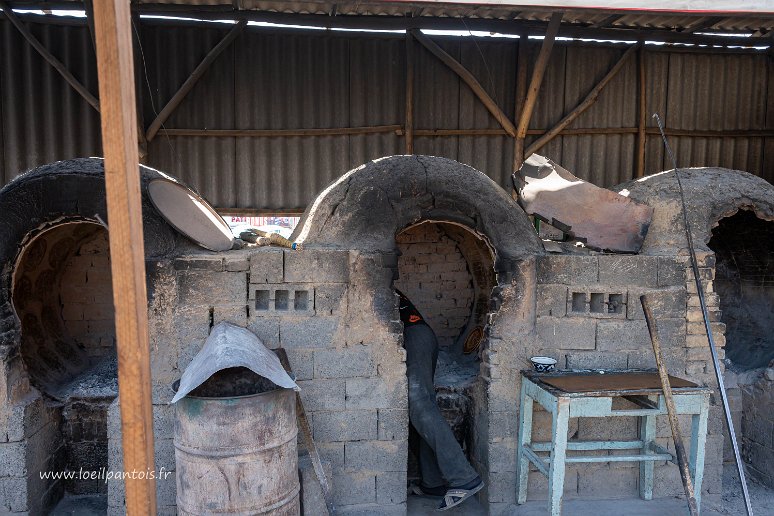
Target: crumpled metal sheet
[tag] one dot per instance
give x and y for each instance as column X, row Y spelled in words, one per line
column 232, row 346
column 603, row 219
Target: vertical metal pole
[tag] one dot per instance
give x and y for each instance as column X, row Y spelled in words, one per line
column 707, row 327
column 409, row 132
column 112, row 21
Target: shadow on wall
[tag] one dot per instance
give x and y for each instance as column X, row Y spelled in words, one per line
column 744, row 280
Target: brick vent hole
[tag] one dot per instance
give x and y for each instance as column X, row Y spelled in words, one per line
column 62, row 295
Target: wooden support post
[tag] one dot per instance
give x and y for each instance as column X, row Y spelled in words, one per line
column 521, row 93
column 642, row 112
column 197, row 74
column 590, row 99
column 48, row 56
column 677, row 437
column 469, row 79
column 409, row 131
column 122, row 181
column 537, row 74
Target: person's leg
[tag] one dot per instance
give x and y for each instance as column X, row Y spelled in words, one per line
column 421, row 352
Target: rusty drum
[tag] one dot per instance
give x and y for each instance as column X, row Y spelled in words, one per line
column 236, row 454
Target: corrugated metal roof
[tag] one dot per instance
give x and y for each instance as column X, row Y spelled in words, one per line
column 270, row 79
column 591, row 16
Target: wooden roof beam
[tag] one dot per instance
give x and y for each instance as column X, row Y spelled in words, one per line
column 702, row 24
column 537, row 74
column 49, row 57
column 469, row 79
column 607, row 21
column 590, row 99
column 197, row 74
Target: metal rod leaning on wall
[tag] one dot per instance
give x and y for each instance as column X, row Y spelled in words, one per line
column 115, row 68
column 409, row 132
column 49, row 57
column 521, row 94
column 707, row 326
column 306, row 437
column 677, row 437
column 641, row 112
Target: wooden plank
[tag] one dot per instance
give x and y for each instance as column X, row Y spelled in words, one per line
column 535, row 459
column 606, row 21
column 666, row 381
column 590, row 445
column 197, row 74
column 49, row 57
column 119, row 125
column 469, row 79
column 587, row 102
column 307, row 438
column 273, row 133
column 380, row 22
column 642, row 112
column 537, row 74
column 409, row 131
column 399, row 131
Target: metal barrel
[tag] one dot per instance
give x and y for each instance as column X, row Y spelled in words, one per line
column 237, row 455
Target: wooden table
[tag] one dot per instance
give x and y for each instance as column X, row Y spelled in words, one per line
column 569, row 394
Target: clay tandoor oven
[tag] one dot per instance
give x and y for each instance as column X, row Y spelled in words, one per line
column 440, row 231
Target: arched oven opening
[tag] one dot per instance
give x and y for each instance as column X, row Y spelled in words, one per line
column 744, row 282
column 62, row 296
column 447, row 271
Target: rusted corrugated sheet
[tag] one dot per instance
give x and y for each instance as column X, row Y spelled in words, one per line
column 206, row 163
column 43, row 118
column 270, row 79
column 604, row 160
column 717, row 92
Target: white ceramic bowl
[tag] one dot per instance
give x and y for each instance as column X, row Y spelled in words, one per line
column 543, row 364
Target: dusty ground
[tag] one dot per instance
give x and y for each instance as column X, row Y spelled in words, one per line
column 762, row 501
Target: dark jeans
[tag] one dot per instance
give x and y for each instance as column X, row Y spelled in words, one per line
column 441, row 459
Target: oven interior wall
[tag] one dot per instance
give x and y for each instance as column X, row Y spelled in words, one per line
column 744, row 282
column 63, row 297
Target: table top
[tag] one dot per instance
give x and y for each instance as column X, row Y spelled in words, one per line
column 608, row 382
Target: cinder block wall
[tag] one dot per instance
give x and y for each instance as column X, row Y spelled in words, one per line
column 335, row 314
column 588, row 315
column 434, row 275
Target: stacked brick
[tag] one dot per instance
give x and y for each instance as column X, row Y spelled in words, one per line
column 87, row 297
column 588, row 316
column 29, row 443
column 435, row 276
column 349, row 363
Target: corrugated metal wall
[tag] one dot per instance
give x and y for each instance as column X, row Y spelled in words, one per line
column 291, row 80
